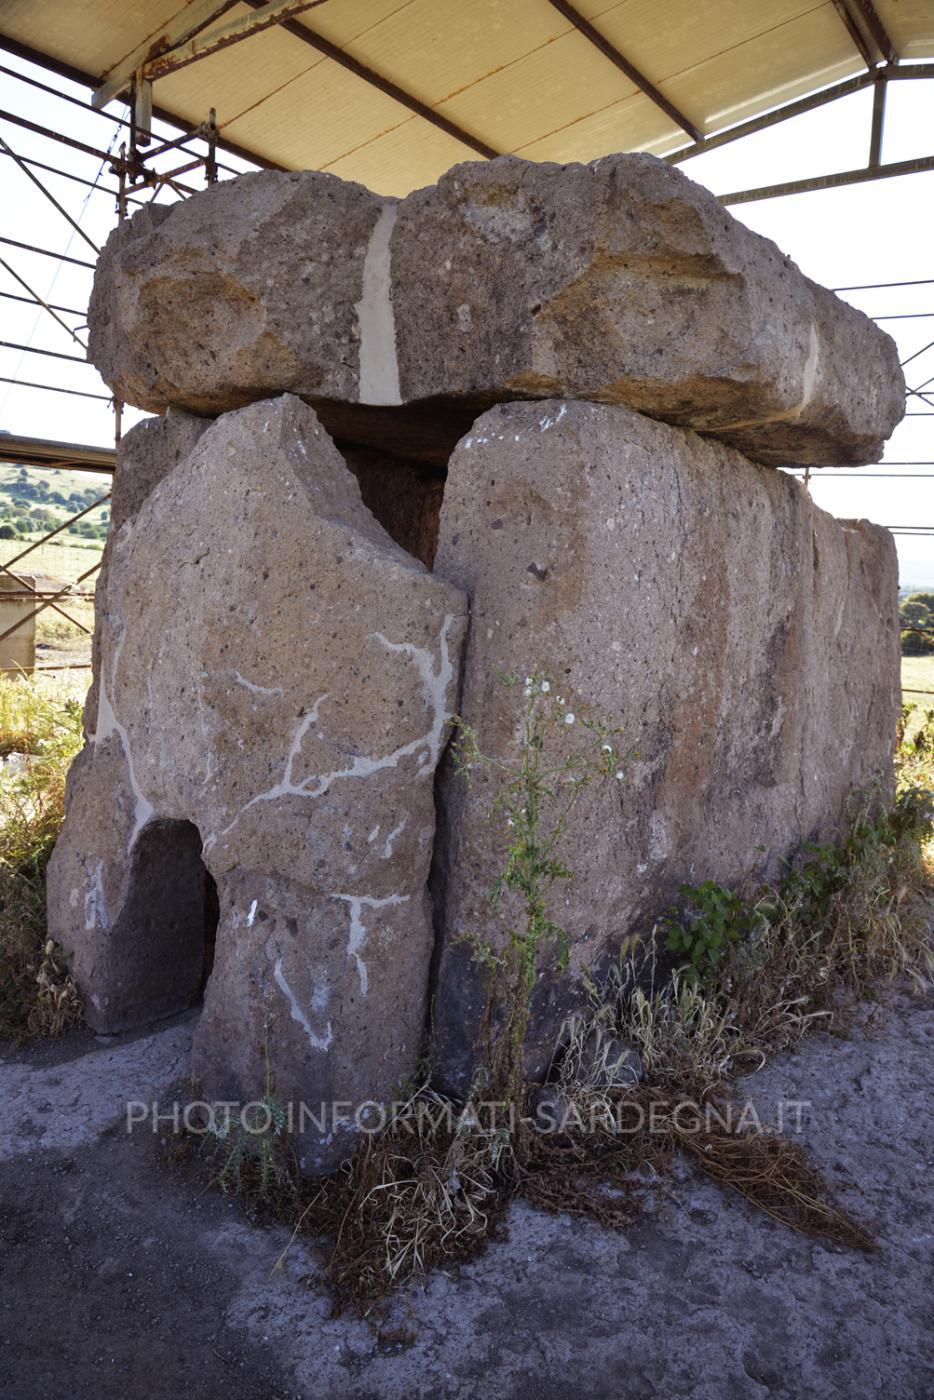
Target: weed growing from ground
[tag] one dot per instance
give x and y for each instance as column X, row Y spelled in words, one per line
column 538, row 790
column 252, row 1158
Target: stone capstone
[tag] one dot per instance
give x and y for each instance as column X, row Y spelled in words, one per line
column 275, row 677
column 746, row 641
column 621, row 282
column 237, row 294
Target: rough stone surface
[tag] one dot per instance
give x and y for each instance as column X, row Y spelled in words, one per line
column 147, row 453
column 625, row 282
column 621, row 281
column 746, row 640
column 275, row 676
column 244, row 291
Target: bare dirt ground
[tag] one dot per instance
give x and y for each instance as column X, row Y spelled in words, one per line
column 121, row 1277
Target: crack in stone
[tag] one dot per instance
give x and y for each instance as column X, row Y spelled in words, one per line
column 435, row 677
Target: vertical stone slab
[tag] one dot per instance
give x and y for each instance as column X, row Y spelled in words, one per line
column 277, row 673
column 746, row 639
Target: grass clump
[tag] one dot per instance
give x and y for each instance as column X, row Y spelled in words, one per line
column 40, row 727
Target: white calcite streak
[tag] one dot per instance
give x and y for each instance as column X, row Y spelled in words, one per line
column 379, row 363
column 317, row 1042
column 95, row 908
column 355, row 941
column 436, row 676
column 107, row 724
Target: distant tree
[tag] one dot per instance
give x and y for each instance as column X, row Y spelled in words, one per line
column 917, row 611
column 8, row 532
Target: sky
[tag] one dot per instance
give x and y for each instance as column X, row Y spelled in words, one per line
column 870, row 233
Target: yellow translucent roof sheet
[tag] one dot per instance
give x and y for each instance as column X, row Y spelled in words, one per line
column 515, row 75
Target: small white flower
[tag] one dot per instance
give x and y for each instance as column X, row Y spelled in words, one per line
column 569, row 718
column 527, row 692
column 528, row 680
column 560, row 700
column 619, row 776
column 546, row 686
column 607, row 748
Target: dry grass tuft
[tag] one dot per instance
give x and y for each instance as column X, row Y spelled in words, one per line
column 40, row 719
column 426, row 1190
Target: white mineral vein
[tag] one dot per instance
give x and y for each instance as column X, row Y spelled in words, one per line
column 379, row 362
column 358, row 929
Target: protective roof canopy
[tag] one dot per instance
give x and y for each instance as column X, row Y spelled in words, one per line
column 517, row 76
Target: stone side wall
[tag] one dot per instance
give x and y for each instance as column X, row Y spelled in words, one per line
column 274, row 676
column 747, row 641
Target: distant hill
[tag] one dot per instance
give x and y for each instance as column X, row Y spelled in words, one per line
column 35, row 500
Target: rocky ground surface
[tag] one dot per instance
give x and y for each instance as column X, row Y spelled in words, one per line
column 120, row 1276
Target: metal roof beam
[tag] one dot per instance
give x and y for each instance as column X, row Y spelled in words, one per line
column 919, row 71
column 780, row 114
column 877, row 29
column 855, row 33
column 178, row 46
column 78, row 75
column 35, row 451
column 623, row 64
column 120, row 76
column 369, row 75
column 832, row 182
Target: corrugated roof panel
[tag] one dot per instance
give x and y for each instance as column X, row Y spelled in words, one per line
column 436, row 48
column 703, row 30
column 636, row 118
column 777, row 66
column 275, row 59
column 910, row 26
column 347, row 20
column 92, row 35
column 412, row 155
column 514, row 73
column 541, row 93
column 318, row 118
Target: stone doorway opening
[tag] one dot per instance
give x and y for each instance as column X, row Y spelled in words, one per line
column 163, row 945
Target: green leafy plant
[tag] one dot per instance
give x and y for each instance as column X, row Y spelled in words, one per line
column 538, row 789
column 713, row 918
column 252, row 1154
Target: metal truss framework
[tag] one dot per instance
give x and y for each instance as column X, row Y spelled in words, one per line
column 135, row 174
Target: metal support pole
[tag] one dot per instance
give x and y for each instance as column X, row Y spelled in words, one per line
column 44, row 304
column 210, row 165
column 49, row 196
column 31, row 589
column 142, row 110
column 62, row 593
column 879, row 92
